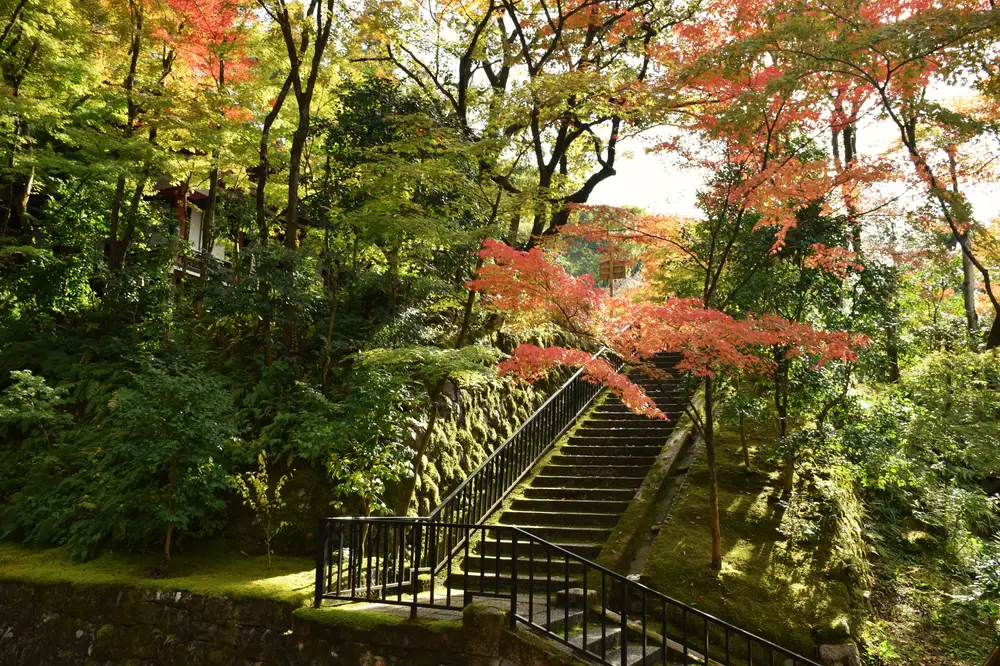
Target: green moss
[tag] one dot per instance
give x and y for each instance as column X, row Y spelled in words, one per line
column 444, row 626
column 621, row 547
column 778, row 587
column 359, row 620
column 215, row 571
column 363, row 620
column 104, row 632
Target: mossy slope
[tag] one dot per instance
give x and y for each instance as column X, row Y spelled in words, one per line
column 213, row 571
column 778, row 587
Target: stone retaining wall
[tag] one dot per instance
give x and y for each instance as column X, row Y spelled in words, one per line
column 102, row 626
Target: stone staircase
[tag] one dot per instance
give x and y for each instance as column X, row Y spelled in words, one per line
column 577, row 499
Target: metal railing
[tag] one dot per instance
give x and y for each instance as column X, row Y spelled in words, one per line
column 593, row 610
column 486, row 488
column 449, row 557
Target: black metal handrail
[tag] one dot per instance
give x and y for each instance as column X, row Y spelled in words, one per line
column 593, row 610
column 486, row 488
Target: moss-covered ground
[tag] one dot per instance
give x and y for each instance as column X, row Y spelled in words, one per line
column 778, row 586
column 216, row 569
column 919, row 612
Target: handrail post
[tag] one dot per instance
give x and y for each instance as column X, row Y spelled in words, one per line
column 415, row 567
column 322, row 541
column 513, row 579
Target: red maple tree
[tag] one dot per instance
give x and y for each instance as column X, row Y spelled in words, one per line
column 528, row 286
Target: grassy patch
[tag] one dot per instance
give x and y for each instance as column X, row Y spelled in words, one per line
column 779, row 587
column 216, row 570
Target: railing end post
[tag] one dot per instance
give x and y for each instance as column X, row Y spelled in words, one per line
column 321, row 548
column 513, row 581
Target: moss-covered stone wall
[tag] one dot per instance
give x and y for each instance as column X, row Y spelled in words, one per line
column 42, row 625
column 472, row 423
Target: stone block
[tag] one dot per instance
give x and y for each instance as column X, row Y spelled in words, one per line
column 842, row 654
column 483, row 627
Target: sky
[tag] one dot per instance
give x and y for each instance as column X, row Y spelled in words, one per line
column 659, row 183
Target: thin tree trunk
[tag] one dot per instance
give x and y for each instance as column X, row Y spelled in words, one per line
column 334, row 289
column 892, row 347
column 713, row 478
column 172, row 484
column 406, row 496
column 743, row 443
column 993, row 659
column 263, row 165
column 968, row 270
column 781, row 407
column 119, row 247
column 208, row 219
column 294, row 176
column 969, row 293
column 515, row 225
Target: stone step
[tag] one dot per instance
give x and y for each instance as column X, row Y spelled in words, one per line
column 629, row 422
column 559, row 518
column 567, row 504
column 558, row 534
column 617, row 449
column 582, row 494
column 554, row 617
column 603, row 472
column 662, row 386
column 638, row 423
column 561, row 480
column 488, row 581
column 635, row 655
column 540, row 564
column 623, row 433
column 598, row 642
column 561, row 459
column 645, row 440
column 666, row 404
column 586, row 549
column 668, row 407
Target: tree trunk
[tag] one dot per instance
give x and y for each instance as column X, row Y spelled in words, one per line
column 969, row 293
column 892, row 350
column 515, row 225
column 403, row 507
column 743, row 443
column 172, row 484
column 334, row 290
column 713, row 478
column 968, row 270
column 993, row 659
column 993, row 339
column 263, row 165
column 294, row 174
column 781, row 407
column 208, row 220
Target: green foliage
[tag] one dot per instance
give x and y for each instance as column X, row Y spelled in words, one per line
column 176, row 479
column 266, row 502
column 469, row 366
column 367, row 452
column 155, row 455
column 31, row 403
